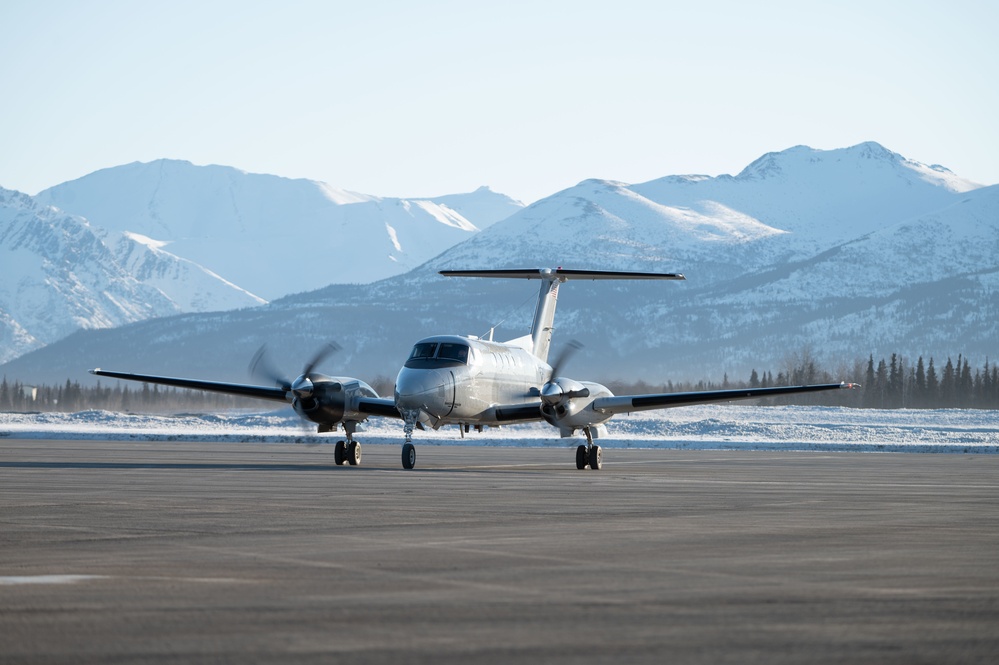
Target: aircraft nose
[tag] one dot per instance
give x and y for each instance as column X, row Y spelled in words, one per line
column 421, row 389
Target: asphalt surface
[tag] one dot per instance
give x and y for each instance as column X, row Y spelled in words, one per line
column 219, row 552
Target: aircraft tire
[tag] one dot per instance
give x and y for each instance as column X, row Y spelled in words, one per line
column 595, row 458
column 354, row 453
column 581, row 457
column 408, row 456
column 339, row 453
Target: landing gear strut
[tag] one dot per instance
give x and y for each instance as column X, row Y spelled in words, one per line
column 589, row 454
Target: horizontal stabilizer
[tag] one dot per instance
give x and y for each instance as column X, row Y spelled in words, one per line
column 560, row 274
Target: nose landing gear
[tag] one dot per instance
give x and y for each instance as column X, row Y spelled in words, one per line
column 408, row 449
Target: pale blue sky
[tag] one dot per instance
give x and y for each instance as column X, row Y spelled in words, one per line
column 429, row 98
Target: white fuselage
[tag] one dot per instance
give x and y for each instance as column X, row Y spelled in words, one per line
column 452, row 379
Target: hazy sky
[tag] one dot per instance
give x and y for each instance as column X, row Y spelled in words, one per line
column 429, row 98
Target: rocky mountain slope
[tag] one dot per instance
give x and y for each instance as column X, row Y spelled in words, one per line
column 61, row 274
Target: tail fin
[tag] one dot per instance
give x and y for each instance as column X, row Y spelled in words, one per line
column 544, row 314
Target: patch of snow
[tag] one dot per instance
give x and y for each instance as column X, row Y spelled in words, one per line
column 702, row 427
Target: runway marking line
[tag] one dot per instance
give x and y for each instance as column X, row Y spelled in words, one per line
column 48, row 579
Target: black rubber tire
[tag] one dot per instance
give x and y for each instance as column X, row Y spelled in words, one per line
column 339, row 453
column 354, row 453
column 595, row 458
column 408, row 456
column 581, row 457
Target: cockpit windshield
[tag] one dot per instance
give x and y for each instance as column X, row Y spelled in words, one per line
column 450, row 351
column 434, row 353
column 424, row 350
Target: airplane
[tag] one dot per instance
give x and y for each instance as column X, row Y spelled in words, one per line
column 472, row 382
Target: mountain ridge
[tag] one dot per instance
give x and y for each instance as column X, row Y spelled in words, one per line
column 268, row 234
column 830, row 264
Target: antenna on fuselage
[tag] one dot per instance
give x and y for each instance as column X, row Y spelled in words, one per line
column 544, row 313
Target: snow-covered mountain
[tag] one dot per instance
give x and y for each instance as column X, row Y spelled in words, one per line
column 61, row 274
column 784, row 206
column 843, row 252
column 270, row 235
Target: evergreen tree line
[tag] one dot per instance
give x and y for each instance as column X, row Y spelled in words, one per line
column 72, row 397
column 886, row 384
column 892, row 384
column 898, row 384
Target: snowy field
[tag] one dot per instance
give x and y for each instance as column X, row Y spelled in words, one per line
column 707, row 427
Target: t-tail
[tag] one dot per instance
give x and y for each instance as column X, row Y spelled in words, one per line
column 544, row 313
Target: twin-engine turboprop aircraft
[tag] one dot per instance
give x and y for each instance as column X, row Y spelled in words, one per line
column 472, row 382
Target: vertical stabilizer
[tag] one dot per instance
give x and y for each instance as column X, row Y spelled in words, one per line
column 544, row 315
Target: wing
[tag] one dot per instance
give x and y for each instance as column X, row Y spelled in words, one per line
column 628, row 403
column 511, row 413
column 260, row 392
column 374, row 406
column 378, row 406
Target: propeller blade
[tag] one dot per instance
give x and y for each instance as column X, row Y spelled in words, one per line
column 322, row 354
column 567, row 352
column 261, row 367
column 552, row 392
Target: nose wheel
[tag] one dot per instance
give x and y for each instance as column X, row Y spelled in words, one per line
column 408, row 456
column 408, row 449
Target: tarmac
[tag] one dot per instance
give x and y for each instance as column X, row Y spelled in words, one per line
column 194, row 552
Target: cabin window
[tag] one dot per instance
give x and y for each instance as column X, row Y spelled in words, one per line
column 450, row 351
column 423, row 351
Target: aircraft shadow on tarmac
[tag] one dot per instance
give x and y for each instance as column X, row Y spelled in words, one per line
column 208, row 466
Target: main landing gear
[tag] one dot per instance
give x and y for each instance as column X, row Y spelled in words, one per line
column 348, row 451
column 588, row 454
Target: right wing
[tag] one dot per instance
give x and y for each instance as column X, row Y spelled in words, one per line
column 259, row 392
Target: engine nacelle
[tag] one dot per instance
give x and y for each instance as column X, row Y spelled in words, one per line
column 574, row 410
column 332, row 399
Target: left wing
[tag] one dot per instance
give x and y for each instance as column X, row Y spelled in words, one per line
column 629, row 403
column 608, row 406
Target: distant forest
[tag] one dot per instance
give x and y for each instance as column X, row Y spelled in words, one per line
column 894, row 383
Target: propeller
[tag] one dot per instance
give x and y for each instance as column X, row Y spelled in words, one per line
column 301, row 389
column 262, row 367
column 558, row 389
column 570, row 349
column 322, row 354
